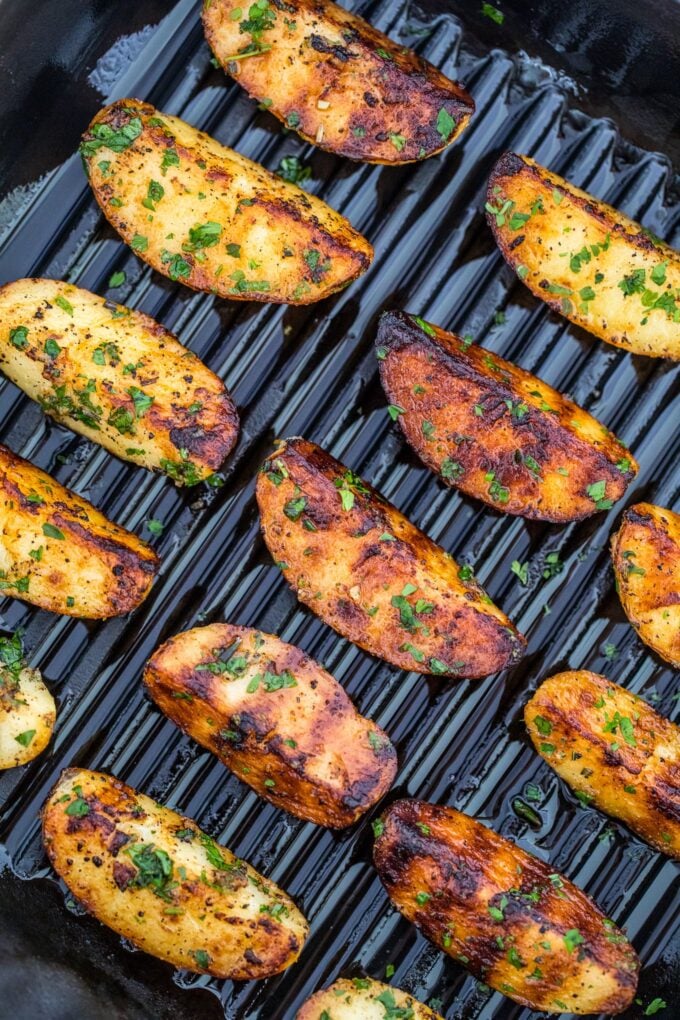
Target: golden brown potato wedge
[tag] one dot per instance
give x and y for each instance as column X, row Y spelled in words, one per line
column 276, row 718
column 646, row 558
column 27, row 709
column 493, row 430
column 336, row 80
column 612, row 749
column 585, row 259
column 504, row 914
column 363, row 999
column 210, row 218
column 363, row 568
column 117, row 377
column 60, row 553
column 155, row 878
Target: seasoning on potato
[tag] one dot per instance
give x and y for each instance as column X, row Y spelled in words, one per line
column 586, row 260
column 360, row 565
column 207, row 217
column 116, row 376
column 59, row 553
column 27, row 709
column 155, row 878
column 505, row 915
column 493, row 430
column 276, row 718
column 615, row 752
column 646, row 558
column 336, row 80
column 362, row 998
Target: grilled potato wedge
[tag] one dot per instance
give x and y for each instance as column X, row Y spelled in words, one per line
column 210, row 218
column 117, row 377
column 493, row 430
column 127, row 858
column 336, row 80
column 363, row 999
column 60, row 553
column 612, row 749
column 363, row 568
column 276, row 718
column 504, row 914
column 27, row 709
column 585, row 259
column 646, row 557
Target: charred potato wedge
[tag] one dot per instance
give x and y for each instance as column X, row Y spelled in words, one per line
column 504, row 914
column 353, row 559
column 117, row 377
column 614, row 750
column 27, row 709
column 493, row 430
column 585, row 259
column 646, row 557
column 336, row 80
column 60, row 553
column 363, row 999
column 208, row 217
column 126, row 858
column 275, row 718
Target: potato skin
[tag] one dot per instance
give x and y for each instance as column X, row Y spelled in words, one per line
column 301, row 744
column 504, row 914
column 646, row 558
column 339, row 82
column 85, row 359
column 613, row 749
column 27, row 709
column 399, row 597
column 585, row 259
column 440, row 384
column 363, row 999
column 222, row 918
column 252, row 237
column 60, row 553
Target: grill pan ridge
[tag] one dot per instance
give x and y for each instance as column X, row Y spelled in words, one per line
column 312, row 371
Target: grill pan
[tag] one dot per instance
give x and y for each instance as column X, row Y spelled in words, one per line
column 312, row 371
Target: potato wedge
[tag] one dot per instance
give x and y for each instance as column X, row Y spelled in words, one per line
column 585, row 259
column 363, row 999
column 646, row 558
column 353, row 559
column 127, row 858
column 493, row 430
column 504, row 914
column 210, row 218
column 615, row 751
column 117, row 377
column 27, row 709
column 336, row 80
column 274, row 717
column 60, row 553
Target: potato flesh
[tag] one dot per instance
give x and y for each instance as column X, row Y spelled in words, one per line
column 363, row 999
column 363, row 568
column 116, row 376
column 646, row 558
column 337, row 81
column 208, row 217
column 515, row 924
column 585, row 259
column 276, row 718
column 27, row 716
column 60, row 553
column 613, row 749
column 200, row 907
column 495, row 431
